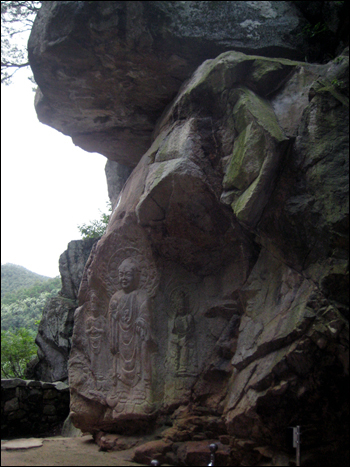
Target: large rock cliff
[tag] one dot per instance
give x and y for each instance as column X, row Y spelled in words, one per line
column 216, row 305
column 106, row 70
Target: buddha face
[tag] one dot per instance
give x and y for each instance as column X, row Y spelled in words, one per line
column 128, row 276
column 179, row 301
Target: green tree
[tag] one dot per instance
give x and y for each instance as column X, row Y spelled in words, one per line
column 24, row 307
column 16, row 23
column 17, row 349
column 31, row 290
column 96, row 228
column 14, row 277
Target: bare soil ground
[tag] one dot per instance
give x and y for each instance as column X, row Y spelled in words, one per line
column 66, row 451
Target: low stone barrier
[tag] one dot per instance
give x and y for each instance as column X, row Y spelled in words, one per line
column 32, row 407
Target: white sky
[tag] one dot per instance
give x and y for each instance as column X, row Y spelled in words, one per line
column 48, row 185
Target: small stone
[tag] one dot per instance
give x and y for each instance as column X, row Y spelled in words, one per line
column 49, row 410
column 34, row 384
column 152, row 450
column 17, row 415
column 22, row 444
column 48, row 385
column 322, row 342
column 50, row 394
column 12, row 383
column 224, row 439
column 11, row 405
column 61, row 386
column 35, row 395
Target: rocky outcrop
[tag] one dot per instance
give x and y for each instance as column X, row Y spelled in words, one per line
column 56, row 326
column 116, row 65
column 116, row 175
column 215, row 306
column 71, row 265
column 220, row 263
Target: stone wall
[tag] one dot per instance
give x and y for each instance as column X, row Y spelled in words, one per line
column 32, row 407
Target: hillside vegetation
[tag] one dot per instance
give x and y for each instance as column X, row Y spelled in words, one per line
column 23, row 308
column 24, row 295
column 14, row 277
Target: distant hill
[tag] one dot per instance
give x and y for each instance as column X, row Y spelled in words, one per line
column 14, row 277
column 23, row 297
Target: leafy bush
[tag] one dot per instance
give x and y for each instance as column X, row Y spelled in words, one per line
column 96, row 228
column 314, row 30
column 17, row 349
column 21, row 312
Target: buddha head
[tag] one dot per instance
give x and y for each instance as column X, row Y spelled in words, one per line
column 129, row 275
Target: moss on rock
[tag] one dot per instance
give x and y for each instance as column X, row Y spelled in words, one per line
column 249, row 106
column 247, row 158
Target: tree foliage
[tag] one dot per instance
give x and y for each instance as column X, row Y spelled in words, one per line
column 17, row 349
column 24, row 307
column 14, row 277
column 50, row 286
column 21, row 312
column 96, row 228
column 16, row 22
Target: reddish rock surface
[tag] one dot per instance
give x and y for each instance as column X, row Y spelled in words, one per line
column 216, row 303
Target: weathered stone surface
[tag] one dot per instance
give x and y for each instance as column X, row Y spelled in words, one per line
column 198, row 453
column 106, row 71
column 69, row 430
column 153, row 450
column 60, row 386
column 238, row 320
column 216, row 303
column 56, row 326
column 11, row 405
column 259, row 333
column 116, row 442
column 53, row 339
column 71, row 265
column 116, row 175
column 33, row 384
column 12, row 383
column 314, row 209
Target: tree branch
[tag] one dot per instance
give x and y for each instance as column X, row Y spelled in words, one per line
column 13, row 65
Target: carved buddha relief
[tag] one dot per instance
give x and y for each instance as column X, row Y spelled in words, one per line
column 131, row 342
column 113, row 343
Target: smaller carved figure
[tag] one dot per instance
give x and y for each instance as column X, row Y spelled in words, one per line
column 96, row 330
column 182, row 342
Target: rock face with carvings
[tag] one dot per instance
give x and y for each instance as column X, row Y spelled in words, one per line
column 216, row 305
column 214, row 286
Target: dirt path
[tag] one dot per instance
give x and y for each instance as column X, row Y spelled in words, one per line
column 65, row 451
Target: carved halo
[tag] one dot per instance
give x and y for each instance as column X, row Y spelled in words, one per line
column 174, row 291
